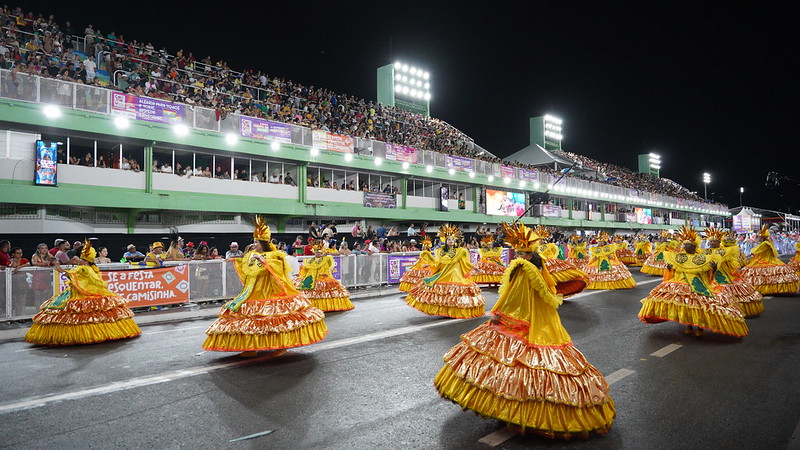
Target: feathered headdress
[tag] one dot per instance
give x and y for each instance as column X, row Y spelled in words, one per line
column 729, row 237
column 487, row 241
column 764, row 231
column 87, row 252
column 542, row 231
column 449, row 231
column 575, row 238
column 522, row 238
column 688, row 235
column 665, row 234
column 714, row 234
column 603, row 236
column 426, row 242
column 262, row 232
column 318, row 246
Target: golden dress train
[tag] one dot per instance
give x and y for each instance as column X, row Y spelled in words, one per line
column 625, row 254
column 447, row 292
column 794, row 263
column 490, row 268
column 655, row 263
column 643, row 248
column 767, row 273
column 521, row 367
column 605, row 271
column 316, row 281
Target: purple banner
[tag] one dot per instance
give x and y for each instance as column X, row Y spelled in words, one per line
column 251, row 127
column 528, row 175
column 401, row 153
column 146, row 108
column 397, row 265
column 460, row 163
column 475, row 256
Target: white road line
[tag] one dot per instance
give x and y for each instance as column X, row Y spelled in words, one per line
column 618, row 375
column 666, row 350
column 35, row 402
column 500, row 436
column 172, row 331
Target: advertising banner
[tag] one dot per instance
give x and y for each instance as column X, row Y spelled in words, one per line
column 475, row 256
column 333, row 142
column 551, row 211
column 528, row 175
column 46, row 170
column 742, row 223
column 337, row 264
column 401, row 153
column 379, row 200
column 506, row 171
column 143, row 287
column 502, row 203
column 460, row 163
column 397, row 265
column 146, row 108
column 251, row 127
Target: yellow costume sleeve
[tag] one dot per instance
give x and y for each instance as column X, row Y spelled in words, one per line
column 462, row 255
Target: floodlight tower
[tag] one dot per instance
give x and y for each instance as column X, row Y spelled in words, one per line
column 650, row 163
column 706, row 180
column 546, row 132
column 405, row 87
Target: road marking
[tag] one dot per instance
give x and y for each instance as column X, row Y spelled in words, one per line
column 251, row 436
column 35, row 402
column 666, row 350
column 618, row 375
column 171, row 331
column 500, row 436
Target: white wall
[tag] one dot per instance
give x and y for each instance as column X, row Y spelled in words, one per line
column 332, row 195
column 422, row 202
column 171, row 182
column 97, row 176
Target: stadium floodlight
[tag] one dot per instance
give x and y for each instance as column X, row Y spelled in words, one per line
column 398, row 65
column 231, row 138
column 451, row 171
column 412, row 70
column 552, row 119
column 429, row 168
column 427, row 96
column 427, row 86
column 314, row 151
column 398, row 88
column 378, row 160
column 275, row 146
column 348, row 156
column 522, row 183
column 398, row 77
column 181, row 129
column 51, row 111
column 490, row 179
column 536, row 185
column 122, row 122
column 426, row 75
column 507, row 180
column 404, row 68
column 706, row 180
column 406, row 165
column 471, row 174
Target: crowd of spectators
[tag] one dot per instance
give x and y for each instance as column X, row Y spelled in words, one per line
column 38, row 45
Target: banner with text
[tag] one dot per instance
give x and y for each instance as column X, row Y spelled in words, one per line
column 460, row 163
column 506, row 171
column 333, row 142
column 401, row 153
column 251, row 127
column 528, row 175
column 146, row 108
column 379, row 200
column 143, row 287
column 397, row 265
column 475, row 256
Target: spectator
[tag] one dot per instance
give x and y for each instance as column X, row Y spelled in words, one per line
column 175, row 252
column 307, row 250
column 234, row 251
column 274, row 177
column 327, row 232
column 5, row 256
column 188, row 251
column 42, row 258
column 297, row 246
column 382, row 231
column 289, row 180
column 75, row 252
column 370, row 247
column 132, row 255
column 102, row 256
column 412, row 246
column 344, row 250
column 313, row 231
column 357, row 231
column 203, row 253
column 157, row 255
column 393, row 232
column 214, row 253
column 91, row 68
column 61, row 254
column 411, row 231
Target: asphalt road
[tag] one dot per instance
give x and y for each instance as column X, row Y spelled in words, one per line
column 369, row 385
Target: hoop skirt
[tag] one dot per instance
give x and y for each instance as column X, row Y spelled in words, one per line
column 269, row 313
column 569, row 279
column 794, row 263
column 767, row 273
column 521, row 367
column 688, row 296
column 417, row 272
column 578, row 255
column 728, row 276
column 643, row 249
column 655, row 264
column 85, row 313
column 605, row 271
column 490, row 268
column 316, row 281
column 446, row 292
column 627, row 256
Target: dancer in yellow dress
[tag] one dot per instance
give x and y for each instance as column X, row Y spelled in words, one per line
column 689, row 296
column 447, row 291
column 767, row 273
column 794, row 263
column 643, row 248
column 655, row 263
column 420, row 269
column 605, row 271
column 569, row 279
column 521, row 366
column 84, row 313
column 727, row 273
column 490, row 268
column 625, row 254
column 577, row 251
column 316, row 281
column 269, row 313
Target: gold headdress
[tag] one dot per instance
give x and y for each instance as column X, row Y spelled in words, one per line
column 262, row 232
column 449, row 231
column 318, row 246
column 575, row 238
column 426, row 242
column 665, row 234
column 688, row 235
column 522, row 238
column 729, row 237
column 714, row 234
column 603, row 236
column 487, row 240
column 542, row 231
column 87, row 252
column 764, row 231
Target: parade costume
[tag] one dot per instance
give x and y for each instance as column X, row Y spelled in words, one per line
column 490, row 268
column 605, row 271
column 316, row 281
column 794, row 263
column 625, row 254
column 655, row 264
column 689, row 296
column 420, row 269
column 84, row 313
column 521, row 367
column 447, row 291
column 569, row 279
column 767, row 273
column 728, row 275
column 578, row 254
column 643, row 248
column 269, row 313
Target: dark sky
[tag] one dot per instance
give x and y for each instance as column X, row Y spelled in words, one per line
column 712, row 88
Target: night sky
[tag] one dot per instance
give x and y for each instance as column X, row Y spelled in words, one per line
column 711, row 88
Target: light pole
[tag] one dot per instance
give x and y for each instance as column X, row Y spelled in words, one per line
column 706, row 180
column 741, row 191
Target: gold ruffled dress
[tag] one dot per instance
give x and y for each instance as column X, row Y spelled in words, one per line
column 269, row 313
column 642, row 249
column 767, row 273
column 569, row 279
column 84, row 313
column 521, row 367
column 605, row 271
column 689, row 296
column 655, row 264
column 626, row 255
column 316, row 281
column 417, row 272
column 578, row 255
column 490, row 268
column 447, row 292
column 794, row 263
column 728, row 276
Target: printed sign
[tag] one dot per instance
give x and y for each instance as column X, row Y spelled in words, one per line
column 401, row 153
column 146, row 108
column 251, row 127
column 397, row 265
column 460, row 163
column 379, row 200
column 143, row 287
column 528, row 175
column 46, row 170
column 333, row 142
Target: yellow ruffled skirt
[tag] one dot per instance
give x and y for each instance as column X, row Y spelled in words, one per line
column 747, row 296
column 569, row 279
column 794, row 263
column 676, row 302
column 628, row 257
column 551, row 390
column 459, row 301
column 617, row 277
column 328, row 295
column 280, row 322
column 85, row 320
column 411, row 277
column 771, row 279
column 486, row 272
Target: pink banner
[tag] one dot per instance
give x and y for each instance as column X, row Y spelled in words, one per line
column 401, row 153
column 332, row 142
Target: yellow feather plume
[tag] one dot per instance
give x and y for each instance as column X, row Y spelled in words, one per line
column 426, row 242
column 687, row 234
column 449, row 231
column 262, row 232
column 714, row 234
column 87, row 252
column 522, row 238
